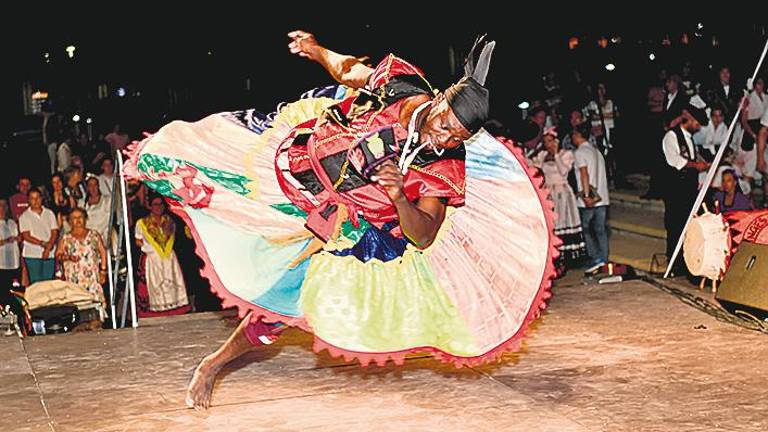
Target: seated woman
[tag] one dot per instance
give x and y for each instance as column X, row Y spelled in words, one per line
column 730, row 197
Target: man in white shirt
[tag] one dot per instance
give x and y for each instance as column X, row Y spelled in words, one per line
column 683, row 167
column 592, row 196
column 39, row 229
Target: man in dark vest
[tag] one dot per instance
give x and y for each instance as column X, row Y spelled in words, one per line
column 682, row 168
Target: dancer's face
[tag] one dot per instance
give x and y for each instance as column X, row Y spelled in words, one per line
column 441, row 127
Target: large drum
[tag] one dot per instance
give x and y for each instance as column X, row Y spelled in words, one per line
column 706, row 247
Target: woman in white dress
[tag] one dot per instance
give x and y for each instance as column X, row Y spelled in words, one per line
column 161, row 288
column 555, row 164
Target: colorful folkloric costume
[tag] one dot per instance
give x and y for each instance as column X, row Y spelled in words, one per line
column 161, row 289
column 251, row 186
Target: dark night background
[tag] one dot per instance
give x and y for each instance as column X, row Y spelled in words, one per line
column 185, row 66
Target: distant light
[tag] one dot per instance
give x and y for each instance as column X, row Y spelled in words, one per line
column 602, row 42
column 524, row 105
column 71, row 51
column 76, row 118
column 47, row 55
column 121, row 92
column 88, row 120
column 616, row 39
column 610, row 67
column 39, row 95
column 210, row 52
column 652, row 56
column 699, row 26
column 573, row 42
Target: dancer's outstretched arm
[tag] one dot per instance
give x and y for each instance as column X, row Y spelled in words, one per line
column 345, row 69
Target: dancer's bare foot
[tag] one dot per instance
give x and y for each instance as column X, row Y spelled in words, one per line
column 201, row 385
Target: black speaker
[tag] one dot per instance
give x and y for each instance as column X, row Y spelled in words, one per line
column 745, row 285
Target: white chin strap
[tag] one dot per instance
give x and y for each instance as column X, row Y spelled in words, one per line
column 407, row 156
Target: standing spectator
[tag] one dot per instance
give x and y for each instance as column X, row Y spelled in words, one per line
column 675, row 101
column 731, row 198
column 593, row 199
column 64, row 155
column 107, row 176
column 762, row 149
column 683, row 169
column 602, row 114
column 575, row 119
column 555, row 164
column 136, row 192
column 161, row 289
column 20, row 200
column 605, row 107
column 656, row 94
column 690, row 86
column 9, row 248
column 74, row 185
column 652, row 134
column 725, row 95
column 51, row 138
column 40, row 230
column 97, row 209
column 77, row 162
column 117, row 139
column 60, row 202
column 87, row 151
column 711, row 136
column 538, row 119
column 750, row 117
column 83, row 256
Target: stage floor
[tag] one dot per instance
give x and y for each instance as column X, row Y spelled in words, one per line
column 623, row 357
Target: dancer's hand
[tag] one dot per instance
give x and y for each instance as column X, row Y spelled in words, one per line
column 390, row 178
column 304, row 44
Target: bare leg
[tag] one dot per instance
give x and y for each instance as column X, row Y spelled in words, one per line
column 201, row 385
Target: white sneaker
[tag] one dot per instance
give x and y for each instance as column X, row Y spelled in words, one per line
column 594, row 269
